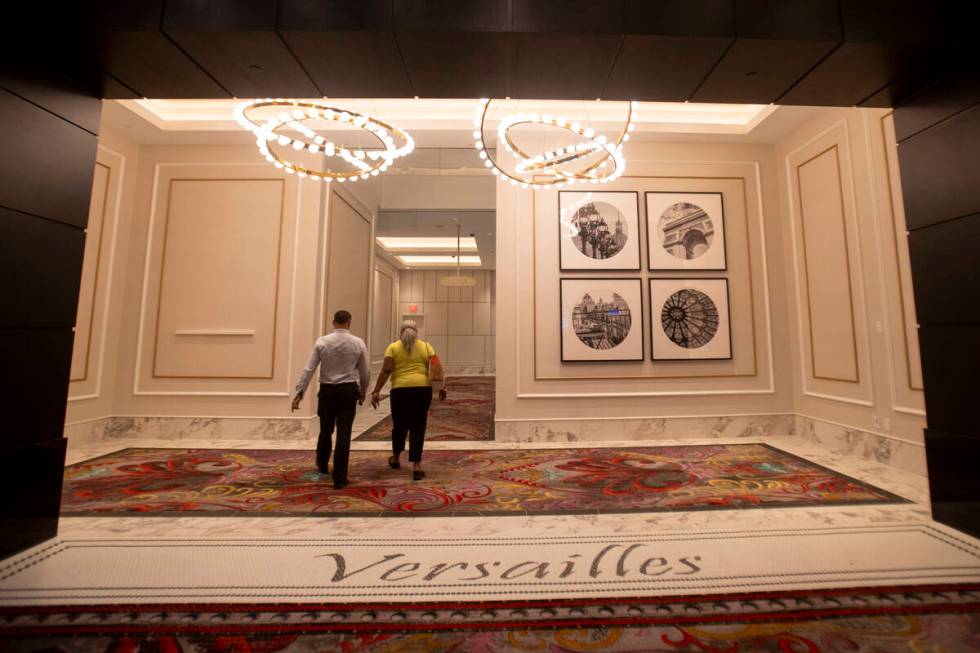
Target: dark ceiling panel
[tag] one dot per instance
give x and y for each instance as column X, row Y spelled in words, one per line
column 455, row 65
column 760, row 70
column 571, row 66
column 452, row 15
column 153, row 66
column 236, row 43
column 662, row 68
column 851, row 73
column 681, row 17
column 335, row 15
column 778, row 42
column 569, row 16
column 248, row 64
column 923, row 72
column 792, row 20
column 127, row 43
column 352, row 64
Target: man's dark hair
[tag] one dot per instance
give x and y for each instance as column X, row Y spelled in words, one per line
column 341, row 317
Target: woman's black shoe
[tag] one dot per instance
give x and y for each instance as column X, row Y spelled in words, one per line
column 418, row 475
column 393, row 463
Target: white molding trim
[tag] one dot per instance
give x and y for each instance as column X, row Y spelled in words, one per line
column 756, row 170
column 140, row 328
column 843, row 400
column 109, row 275
column 637, row 418
column 909, row 411
column 798, row 290
column 887, row 436
column 88, row 420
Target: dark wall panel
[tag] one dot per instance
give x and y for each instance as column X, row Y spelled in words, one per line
column 40, row 267
column 36, row 396
column 46, row 176
column 54, row 93
column 940, row 168
column 31, row 478
column 47, row 164
column 955, row 92
column 946, row 270
column 949, row 370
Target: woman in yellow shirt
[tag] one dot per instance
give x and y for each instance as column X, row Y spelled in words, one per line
column 407, row 363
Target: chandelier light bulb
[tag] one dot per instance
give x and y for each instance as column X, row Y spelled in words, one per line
column 586, row 160
column 294, row 115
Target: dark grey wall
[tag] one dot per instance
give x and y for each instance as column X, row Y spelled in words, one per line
column 939, row 152
column 48, row 130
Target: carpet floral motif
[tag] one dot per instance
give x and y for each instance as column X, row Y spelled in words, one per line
column 466, row 413
column 463, row 482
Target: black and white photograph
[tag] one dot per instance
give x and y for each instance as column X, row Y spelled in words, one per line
column 685, row 231
column 690, row 319
column 599, row 230
column 601, row 320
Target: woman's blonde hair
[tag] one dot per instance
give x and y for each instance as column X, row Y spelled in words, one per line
column 408, row 334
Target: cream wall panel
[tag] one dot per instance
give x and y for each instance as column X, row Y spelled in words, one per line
column 429, row 293
column 466, row 350
column 482, row 318
column 436, row 316
column 460, row 318
column 827, row 269
column 219, row 279
column 349, row 246
column 91, row 388
column 490, row 351
column 382, row 313
column 442, row 292
column 418, row 286
column 404, row 287
column 466, row 293
column 454, row 293
column 901, row 318
column 88, row 289
column 440, row 344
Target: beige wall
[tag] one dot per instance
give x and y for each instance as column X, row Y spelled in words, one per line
column 384, row 311
column 852, row 316
column 208, row 277
column 753, row 382
column 94, row 359
column 459, row 322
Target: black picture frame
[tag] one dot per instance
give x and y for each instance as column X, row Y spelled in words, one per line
column 651, row 231
column 639, row 235
column 655, row 322
column 561, row 317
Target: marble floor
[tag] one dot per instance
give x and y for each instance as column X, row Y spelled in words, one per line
column 868, row 524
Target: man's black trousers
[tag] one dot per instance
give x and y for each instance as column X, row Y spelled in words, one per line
column 336, row 405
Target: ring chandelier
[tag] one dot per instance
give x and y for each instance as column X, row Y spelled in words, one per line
column 294, row 113
column 551, row 168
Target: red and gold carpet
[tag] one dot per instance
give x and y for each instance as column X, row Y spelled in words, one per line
column 463, row 482
column 466, row 413
column 880, row 620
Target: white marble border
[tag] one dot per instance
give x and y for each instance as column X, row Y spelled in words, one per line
column 839, row 439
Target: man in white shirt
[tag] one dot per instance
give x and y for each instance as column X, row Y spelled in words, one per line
column 344, row 378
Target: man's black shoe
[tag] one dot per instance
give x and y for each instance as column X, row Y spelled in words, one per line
column 340, row 485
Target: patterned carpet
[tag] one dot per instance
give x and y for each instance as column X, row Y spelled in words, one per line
column 909, row 619
column 466, row 413
column 463, row 482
